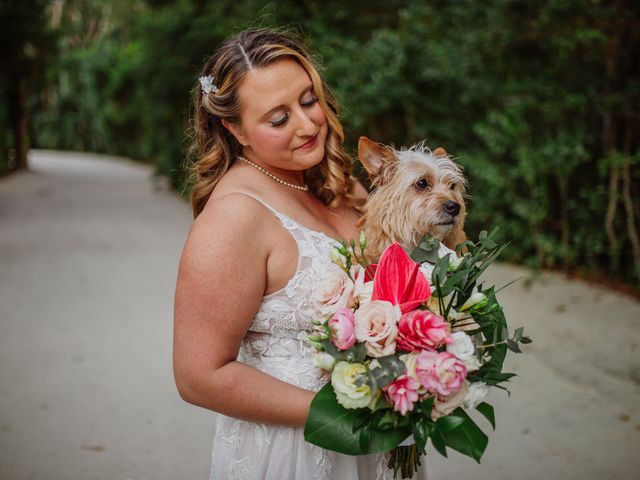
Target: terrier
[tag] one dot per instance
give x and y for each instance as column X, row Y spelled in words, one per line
column 416, row 191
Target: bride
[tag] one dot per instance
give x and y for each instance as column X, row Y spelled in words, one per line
column 272, row 195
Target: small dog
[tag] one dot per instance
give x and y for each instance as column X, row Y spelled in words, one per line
column 416, row 191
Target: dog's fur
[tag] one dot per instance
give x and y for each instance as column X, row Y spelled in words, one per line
column 399, row 208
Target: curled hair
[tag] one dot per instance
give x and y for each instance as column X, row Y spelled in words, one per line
column 214, row 149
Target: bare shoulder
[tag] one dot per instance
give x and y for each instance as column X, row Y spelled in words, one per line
column 226, row 227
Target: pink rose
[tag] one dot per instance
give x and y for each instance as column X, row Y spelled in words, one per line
column 422, row 329
column 376, row 326
column 342, row 329
column 441, row 373
column 403, row 393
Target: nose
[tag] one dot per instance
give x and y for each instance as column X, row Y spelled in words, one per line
column 451, row 207
column 306, row 125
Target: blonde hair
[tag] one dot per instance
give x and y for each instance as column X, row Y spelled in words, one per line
column 215, row 149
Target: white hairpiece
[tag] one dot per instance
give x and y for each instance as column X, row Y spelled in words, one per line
column 208, row 84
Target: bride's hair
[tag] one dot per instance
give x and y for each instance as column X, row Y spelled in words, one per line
column 214, row 149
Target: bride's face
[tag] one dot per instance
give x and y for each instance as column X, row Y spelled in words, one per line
column 282, row 121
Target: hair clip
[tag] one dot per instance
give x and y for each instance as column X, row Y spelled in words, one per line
column 207, row 84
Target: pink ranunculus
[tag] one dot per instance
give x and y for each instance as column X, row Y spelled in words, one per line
column 342, row 326
column 422, row 330
column 376, row 326
column 403, row 393
column 441, row 373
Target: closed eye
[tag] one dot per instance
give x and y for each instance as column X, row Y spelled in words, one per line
column 280, row 121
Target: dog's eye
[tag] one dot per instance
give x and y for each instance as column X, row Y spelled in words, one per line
column 452, row 187
column 422, row 184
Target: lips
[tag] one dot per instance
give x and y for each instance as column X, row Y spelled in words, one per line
column 310, row 143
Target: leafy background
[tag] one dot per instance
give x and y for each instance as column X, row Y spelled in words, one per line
column 538, row 100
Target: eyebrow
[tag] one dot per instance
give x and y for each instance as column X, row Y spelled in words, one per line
column 282, row 106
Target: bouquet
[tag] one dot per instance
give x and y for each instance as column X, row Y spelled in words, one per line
column 413, row 343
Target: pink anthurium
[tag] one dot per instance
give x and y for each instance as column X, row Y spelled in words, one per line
column 398, row 280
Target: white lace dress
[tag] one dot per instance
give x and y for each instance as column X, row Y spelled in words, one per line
column 275, row 344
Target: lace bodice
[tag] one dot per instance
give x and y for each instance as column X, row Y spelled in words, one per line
column 276, row 340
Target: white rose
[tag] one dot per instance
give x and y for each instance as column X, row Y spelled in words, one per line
column 463, row 348
column 476, row 394
column 334, row 292
column 445, row 406
column 323, row 360
column 348, row 393
column 377, row 327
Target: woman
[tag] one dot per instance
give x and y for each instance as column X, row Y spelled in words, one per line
column 272, row 195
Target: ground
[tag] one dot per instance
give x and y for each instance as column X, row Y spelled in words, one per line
column 89, row 248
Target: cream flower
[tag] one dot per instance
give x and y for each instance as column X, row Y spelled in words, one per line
column 376, row 326
column 334, row 292
column 362, row 290
column 463, row 348
column 348, row 393
column 444, row 406
column 476, row 394
column 323, row 360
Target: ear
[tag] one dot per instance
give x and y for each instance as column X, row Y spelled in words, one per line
column 374, row 155
column 236, row 131
column 440, row 152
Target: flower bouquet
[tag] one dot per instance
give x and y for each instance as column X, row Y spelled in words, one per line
column 413, row 343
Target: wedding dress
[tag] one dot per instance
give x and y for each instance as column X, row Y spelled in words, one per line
column 275, row 344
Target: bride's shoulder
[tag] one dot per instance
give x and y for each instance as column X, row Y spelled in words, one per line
column 231, row 222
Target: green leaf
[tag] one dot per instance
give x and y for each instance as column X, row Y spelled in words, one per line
column 427, row 250
column 426, row 406
column 449, row 422
column 513, row 345
column 487, row 411
column 357, row 353
column 467, row 438
column 331, row 426
column 438, row 442
column 420, row 433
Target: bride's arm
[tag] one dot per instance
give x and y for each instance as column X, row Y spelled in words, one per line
column 221, row 281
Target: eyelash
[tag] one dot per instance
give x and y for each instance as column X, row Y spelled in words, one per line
column 281, row 121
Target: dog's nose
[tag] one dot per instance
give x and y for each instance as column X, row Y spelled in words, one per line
column 451, row 207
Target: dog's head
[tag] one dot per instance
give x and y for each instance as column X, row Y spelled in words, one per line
column 416, row 191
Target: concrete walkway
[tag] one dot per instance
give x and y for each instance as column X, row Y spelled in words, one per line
column 88, row 258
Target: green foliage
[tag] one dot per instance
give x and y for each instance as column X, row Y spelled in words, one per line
column 538, row 101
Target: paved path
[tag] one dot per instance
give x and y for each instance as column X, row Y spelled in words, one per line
column 88, row 257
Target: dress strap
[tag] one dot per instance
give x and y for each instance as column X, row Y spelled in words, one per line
column 287, row 222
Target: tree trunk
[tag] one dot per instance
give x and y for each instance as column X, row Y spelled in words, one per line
column 18, row 118
column 626, row 194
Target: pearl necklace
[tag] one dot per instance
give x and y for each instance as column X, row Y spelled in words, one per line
column 304, row 188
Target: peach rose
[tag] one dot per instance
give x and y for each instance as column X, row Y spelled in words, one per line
column 376, row 326
column 333, row 293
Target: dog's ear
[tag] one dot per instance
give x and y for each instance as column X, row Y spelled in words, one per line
column 440, row 152
column 374, row 156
